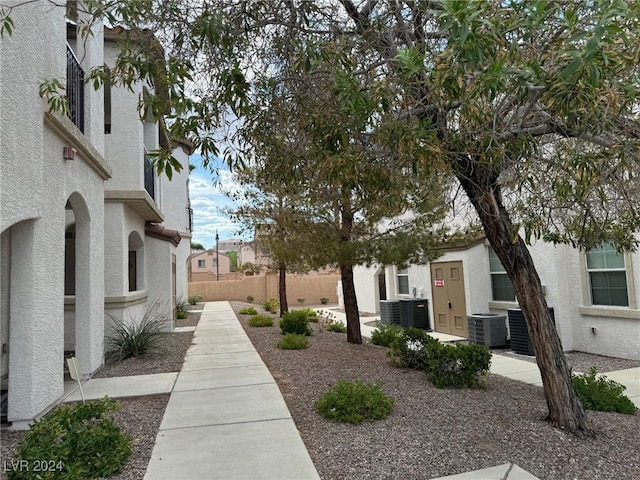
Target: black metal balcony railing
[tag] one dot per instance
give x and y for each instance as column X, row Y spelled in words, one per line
column 75, row 90
column 149, row 177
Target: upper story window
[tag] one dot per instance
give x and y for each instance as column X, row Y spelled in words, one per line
column 607, row 276
column 501, row 287
column 201, row 264
column 403, row 281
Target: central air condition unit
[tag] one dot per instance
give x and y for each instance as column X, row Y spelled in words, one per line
column 520, row 339
column 414, row 312
column 488, row 329
column 390, row 312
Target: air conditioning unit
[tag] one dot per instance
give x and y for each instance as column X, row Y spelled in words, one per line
column 488, row 329
column 414, row 312
column 390, row 312
column 520, row 339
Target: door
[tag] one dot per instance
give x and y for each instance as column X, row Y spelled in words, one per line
column 449, row 305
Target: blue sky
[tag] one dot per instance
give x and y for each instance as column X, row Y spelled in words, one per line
column 208, row 200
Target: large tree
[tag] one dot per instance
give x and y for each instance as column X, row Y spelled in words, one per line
column 531, row 106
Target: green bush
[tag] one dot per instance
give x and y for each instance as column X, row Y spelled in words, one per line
column 74, row 442
column 295, row 322
column 250, row 299
column 602, row 394
column 292, row 341
column 354, row 402
column 338, row 327
column 385, row 335
column 408, row 349
column 301, row 301
column 194, row 299
column 324, row 300
column 311, row 314
column 248, row 311
column 181, row 308
column 134, row 339
column 271, row 305
column 181, row 314
column 260, row 321
column 457, row 365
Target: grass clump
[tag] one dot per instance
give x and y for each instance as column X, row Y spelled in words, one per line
column 337, row 326
column 292, row 341
column 135, row 339
column 73, row 442
column 271, row 305
column 602, row 394
column 295, row 322
column 250, row 299
column 248, row 311
column 194, row 299
column 354, row 402
column 385, row 335
column 260, row 321
column 310, row 313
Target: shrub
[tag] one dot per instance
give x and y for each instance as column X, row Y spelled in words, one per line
column 385, row 335
column 602, row 394
column 295, row 322
column 354, row 402
column 260, row 321
column 324, row 300
column 181, row 306
column 249, row 299
column 311, row 314
column 193, row 299
column 456, row 366
column 408, row 349
column 181, row 314
column 248, row 311
column 271, row 305
column 292, row 341
column 134, row 339
column 73, row 442
column 301, row 301
column 338, row 327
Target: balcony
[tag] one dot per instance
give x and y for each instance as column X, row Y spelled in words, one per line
column 75, row 90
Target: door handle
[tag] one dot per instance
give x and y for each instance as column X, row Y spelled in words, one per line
column 449, row 304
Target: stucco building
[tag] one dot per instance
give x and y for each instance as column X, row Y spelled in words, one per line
column 87, row 232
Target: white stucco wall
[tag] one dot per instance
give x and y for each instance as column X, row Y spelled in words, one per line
column 36, row 183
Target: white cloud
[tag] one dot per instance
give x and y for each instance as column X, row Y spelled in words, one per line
column 208, row 202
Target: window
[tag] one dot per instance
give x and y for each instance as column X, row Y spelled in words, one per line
column 201, row 264
column 607, row 276
column 215, row 262
column 501, row 287
column 133, row 271
column 403, row 281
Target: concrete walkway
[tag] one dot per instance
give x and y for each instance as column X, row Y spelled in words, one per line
column 226, row 418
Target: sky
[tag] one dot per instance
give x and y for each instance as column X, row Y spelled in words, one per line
column 207, row 202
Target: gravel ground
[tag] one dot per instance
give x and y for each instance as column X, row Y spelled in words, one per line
column 430, row 433
column 434, row 432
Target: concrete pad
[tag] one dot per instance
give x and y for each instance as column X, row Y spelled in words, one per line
column 184, row 329
column 216, row 336
column 505, row 365
column 531, row 377
column 509, row 471
column 223, row 377
column 207, row 348
column 119, row 387
column 221, row 406
column 221, row 360
column 256, row 451
column 630, row 378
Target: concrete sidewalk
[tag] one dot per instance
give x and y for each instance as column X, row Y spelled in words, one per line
column 226, row 418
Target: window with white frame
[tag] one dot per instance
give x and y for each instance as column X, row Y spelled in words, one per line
column 607, row 276
column 215, row 262
column 201, row 264
column 403, row 281
column 501, row 287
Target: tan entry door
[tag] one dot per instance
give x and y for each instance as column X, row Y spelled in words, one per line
column 449, row 306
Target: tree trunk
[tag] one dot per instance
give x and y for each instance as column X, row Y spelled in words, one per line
column 282, row 287
column 350, row 304
column 565, row 408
